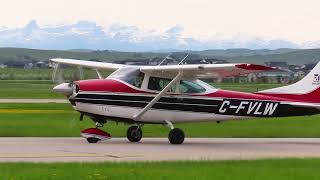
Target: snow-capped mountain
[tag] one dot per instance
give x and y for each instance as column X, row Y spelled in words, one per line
column 89, row 35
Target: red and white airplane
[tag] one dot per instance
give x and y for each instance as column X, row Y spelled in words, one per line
column 172, row 94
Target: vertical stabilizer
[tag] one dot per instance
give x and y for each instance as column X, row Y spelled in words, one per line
column 306, row 85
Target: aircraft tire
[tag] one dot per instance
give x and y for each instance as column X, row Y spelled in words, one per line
column 134, row 134
column 176, row 136
column 92, row 140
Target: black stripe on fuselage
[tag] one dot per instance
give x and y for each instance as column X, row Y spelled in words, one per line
column 165, row 103
column 158, row 105
column 123, row 97
column 216, row 106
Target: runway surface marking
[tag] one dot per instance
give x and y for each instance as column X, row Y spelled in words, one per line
column 154, row 149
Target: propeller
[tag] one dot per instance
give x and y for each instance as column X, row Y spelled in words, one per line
column 57, row 76
column 63, row 86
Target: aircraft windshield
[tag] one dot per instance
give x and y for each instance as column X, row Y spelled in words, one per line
column 132, row 76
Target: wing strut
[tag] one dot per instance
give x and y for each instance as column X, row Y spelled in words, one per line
column 99, row 74
column 138, row 116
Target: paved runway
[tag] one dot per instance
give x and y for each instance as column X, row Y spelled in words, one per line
column 153, row 149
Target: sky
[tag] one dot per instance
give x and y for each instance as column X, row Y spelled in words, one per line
column 294, row 20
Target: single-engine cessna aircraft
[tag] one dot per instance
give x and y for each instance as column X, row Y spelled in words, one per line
column 170, row 94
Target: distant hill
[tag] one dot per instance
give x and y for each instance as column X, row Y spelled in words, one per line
column 292, row 56
column 242, row 52
column 81, row 50
column 24, row 55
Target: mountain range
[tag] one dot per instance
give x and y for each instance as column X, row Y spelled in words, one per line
column 89, row 35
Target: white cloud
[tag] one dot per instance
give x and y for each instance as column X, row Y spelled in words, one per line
column 296, row 20
column 89, row 35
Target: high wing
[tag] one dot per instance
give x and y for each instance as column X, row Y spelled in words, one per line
column 88, row 64
column 205, row 70
column 170, row 71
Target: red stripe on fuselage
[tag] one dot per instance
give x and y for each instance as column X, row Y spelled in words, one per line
column 105, row 85
column 226, row 94
column 312, row 97
column 110, row 85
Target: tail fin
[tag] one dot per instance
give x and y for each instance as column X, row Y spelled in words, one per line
column 308, row 84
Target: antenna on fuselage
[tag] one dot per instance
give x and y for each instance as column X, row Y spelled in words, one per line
column 164, row 59
column 183, row 59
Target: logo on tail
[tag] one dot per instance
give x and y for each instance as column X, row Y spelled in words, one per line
column 316, row 79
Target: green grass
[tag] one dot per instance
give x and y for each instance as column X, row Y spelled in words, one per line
column 28, row 89
column 59, row 120
column 68, row 73
column 283, row 169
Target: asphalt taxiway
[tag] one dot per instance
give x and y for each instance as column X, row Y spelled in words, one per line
column 154, row 149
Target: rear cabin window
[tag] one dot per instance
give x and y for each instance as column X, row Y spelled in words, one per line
column 190, row 87
column 158, row 84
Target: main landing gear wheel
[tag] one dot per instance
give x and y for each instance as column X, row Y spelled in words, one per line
column 134, row 134
column 176, row 136
column 93, row 140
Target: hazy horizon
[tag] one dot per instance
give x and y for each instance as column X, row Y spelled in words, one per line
column 191, row 24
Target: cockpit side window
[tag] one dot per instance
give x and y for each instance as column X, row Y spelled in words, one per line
column 136, row 79
column 131, row 76
column 158, row 84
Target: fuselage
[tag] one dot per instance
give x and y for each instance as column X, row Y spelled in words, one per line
column 174, row 94
column 115, row 98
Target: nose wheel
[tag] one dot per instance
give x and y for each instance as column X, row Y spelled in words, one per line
column 94, row 135
column 134, row 134
column 93, row 140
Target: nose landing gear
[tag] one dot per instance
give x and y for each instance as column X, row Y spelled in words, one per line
column 93, row 139
column 94, row 135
